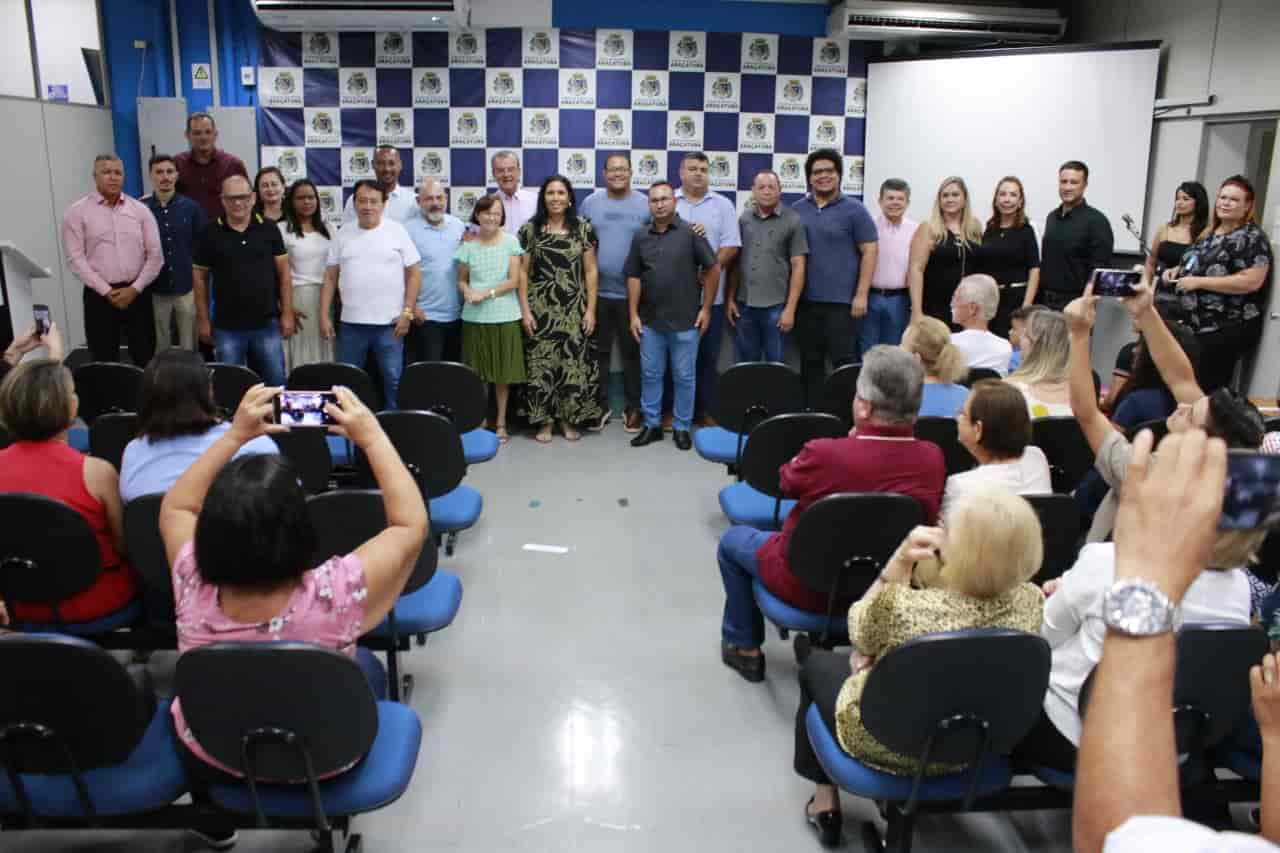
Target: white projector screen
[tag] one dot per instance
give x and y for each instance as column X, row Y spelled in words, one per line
column 1018, row 112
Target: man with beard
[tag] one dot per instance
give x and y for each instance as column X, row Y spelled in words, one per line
column 436, row 334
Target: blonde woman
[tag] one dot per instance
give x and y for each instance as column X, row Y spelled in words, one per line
column 1042, row 376
column 1011, row 252
column 943, row 251
column 989, row 551
column 929, row 340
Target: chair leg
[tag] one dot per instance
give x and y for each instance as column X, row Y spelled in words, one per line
column 450, row 541
column 898, row 829
column 871, row 838
column 323, row 840
column 803, row 647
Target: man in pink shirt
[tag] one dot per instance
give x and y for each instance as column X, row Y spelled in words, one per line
column 112, row 244
column 885, row 306
column 519, row 204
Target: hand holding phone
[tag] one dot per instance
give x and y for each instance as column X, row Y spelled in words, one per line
column 1116, row 283
column 43, row 319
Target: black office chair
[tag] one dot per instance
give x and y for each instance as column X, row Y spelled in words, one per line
column 77, row 358
column 942, row 432
column 457, row 392
column 149, row 561
column 839, row 390
column 748, row 394
column 1060, row 524
column 1211, row 684
column 307, row 449
column 111, row 434
column 324, row 375
column 105, row 387
column 977, row 374
column 1066, row 448
column 230, row 381
column 5, row 439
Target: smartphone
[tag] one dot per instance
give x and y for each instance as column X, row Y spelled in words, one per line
column 1253, row 487
column 42, row 318
column 1118, row 284
column 304, row 408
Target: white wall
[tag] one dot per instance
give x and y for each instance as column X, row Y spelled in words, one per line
column 62, row 28
column 15, row 51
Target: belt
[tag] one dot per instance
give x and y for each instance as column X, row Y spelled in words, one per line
column 891, row 291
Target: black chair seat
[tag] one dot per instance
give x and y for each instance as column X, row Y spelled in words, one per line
column 1066, row 448
column 105, row 387
column 446, row 388
column 942, row 432
column 111, row 434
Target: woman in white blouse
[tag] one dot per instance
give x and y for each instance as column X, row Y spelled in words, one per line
column 306, row 237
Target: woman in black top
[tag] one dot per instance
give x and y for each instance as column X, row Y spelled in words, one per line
column 943, row 251
column 1190, row 218
column 1219, row 283
column 1010, row 252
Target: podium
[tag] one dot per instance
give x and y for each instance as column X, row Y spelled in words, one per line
column 16, row 272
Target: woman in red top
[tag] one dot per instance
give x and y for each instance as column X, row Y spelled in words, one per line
column 38, row 405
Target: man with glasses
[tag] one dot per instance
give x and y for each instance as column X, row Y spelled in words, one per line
column 518, row 203
column 252, row 286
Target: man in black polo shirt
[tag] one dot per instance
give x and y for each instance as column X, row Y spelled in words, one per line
column 253, row 289
column 670, row 308
column 1077, row 240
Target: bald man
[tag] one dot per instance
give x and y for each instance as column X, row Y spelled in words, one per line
column 436, row 334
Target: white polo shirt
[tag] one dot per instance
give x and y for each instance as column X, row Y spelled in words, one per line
column 984, row 349
column 371, row 265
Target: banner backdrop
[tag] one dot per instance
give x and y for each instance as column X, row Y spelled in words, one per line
column 562, row 99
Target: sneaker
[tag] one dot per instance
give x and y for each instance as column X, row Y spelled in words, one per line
column 598, row 426
column 632, row 422
column 216, row 840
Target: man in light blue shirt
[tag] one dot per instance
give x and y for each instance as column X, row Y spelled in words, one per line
column 436, row 334
column 617, row 213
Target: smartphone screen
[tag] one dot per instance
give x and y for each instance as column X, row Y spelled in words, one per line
column 1115, row 283
column 304, row 408
column 1253, row 486
column 42, row 319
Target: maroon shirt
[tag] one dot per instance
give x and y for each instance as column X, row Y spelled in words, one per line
column 874, row 459
column 203, row 181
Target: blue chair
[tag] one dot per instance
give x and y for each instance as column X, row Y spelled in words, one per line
column 298, row 712
column 961, row 698
column 77, row 439
column 748, row 394
column 757, row 500
column 457, row 392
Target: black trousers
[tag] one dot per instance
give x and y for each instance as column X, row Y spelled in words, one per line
column 1221, row 351
column 613, row 323
column 1010, row 300
column 433, row 341
column 103, row 323
column 824, row 330
column 1055, row 299
column 821, row 678
column 1044, row 746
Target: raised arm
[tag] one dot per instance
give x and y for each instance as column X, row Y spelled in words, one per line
column 1174, row 366
column 1080, row 314
column 1264, row 685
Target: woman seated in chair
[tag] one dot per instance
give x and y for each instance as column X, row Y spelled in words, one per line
column 994, row 427
column 929, row 340
column 973, row 574
column 38, row 405
column 1145, row 396
column 1042, row 376
column 177, row 422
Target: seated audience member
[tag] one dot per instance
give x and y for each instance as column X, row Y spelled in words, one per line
column 1042, row 376
column 929, row 340
column 1018, row 333
column 880, row 455
column 995, row 428
column 990, row 548
column 38, row 405
column 1144, row 395
column 177, row 422
column 29, row 341
column 972, row 308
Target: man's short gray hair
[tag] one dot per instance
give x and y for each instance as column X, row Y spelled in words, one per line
column 504, row 153
column 981, row 290
column 106, row 157
column 891, row 382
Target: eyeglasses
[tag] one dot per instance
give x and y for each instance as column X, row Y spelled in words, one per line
column 238, row 199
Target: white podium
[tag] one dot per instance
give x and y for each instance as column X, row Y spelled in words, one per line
column 15, row 286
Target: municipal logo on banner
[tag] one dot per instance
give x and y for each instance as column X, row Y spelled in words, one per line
column 826, row 132
column 431, row 163
column 430, row 87
column 540, row 128
column 357, row 165
column 323, row 126
column 330, row 200
column 613, row 129
column 648, row 167
column 830, row 57
column 578, row 165
column 614, row 49
column 755, row 133
column 541, row 48
column 466, row 127
column 759, row 53
column 393, row 50
column 722, row 167
column 649, row 90
column 280, row 87
column 855, row 100
column 503, row 87
column 793, row 95
column 745, row 201
column 790, row 169
column 722, row 93
column 688, row 51
column 684, row 131
column 395, row 127
column 319, row 50
column 466, row 49
column 577, row 88
column 854, row 167
column 462, row 200
column 357, row 87
column 290, row 160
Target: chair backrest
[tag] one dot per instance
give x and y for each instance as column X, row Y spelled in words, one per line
column 323, row 375
column 994, row 678
column 977, row 374
column 429, row 446
column 105, row 386
column 1159, row 429
column 230, row 381
column 111, row 434
column 1060, row 524
column 842, row 541
column 750, row 392
column 1066, row 448
column 346, row 519
column 77, row 358
column 266, row 692
column 776, row 441
column 446, row 388
column 5, row 440
column 839, row 390
column 308, row 451
column 942, row 432
column 147, row 556
column 48, row 552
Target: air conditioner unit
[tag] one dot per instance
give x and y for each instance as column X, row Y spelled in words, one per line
column 354, row 15
column 884, row 20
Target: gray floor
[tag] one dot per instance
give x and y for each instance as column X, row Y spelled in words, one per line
column 578, row 702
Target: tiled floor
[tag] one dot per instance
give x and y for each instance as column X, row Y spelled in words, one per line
column 578, row 702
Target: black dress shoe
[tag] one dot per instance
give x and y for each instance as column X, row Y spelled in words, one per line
column 647, row 436
column 827, row 824
column 683, row 440
column 750, row 667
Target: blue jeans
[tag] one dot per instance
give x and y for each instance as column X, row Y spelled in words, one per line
column 234, row 345
column 886, row 319
column 704, row 402
column 356, row 339
column 742, row 624
column 757, row 336
column 683, row 349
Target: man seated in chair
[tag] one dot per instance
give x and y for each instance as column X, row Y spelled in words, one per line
column 881, row 454
column 973, row 307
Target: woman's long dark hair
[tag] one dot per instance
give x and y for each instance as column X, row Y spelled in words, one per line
column 1200, row 218
column 1145, row 374
column 570, row 213
column 291, row 214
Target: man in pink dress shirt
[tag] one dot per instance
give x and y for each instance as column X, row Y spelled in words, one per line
column 112, row 244
column 519, row 204
column 885, row 306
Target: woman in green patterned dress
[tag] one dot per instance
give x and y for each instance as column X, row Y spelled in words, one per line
column 558, row 296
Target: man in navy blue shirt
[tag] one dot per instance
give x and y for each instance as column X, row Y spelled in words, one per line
column 179, row 218
column 842, row 258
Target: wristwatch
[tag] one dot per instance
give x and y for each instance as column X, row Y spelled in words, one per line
column 407, row 313
column 1137, row 608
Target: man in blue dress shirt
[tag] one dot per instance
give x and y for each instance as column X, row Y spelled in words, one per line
column 436, row 334
column 179, row 218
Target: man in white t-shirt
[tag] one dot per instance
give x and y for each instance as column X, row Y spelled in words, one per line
column 375, row 265
column 972, row 307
